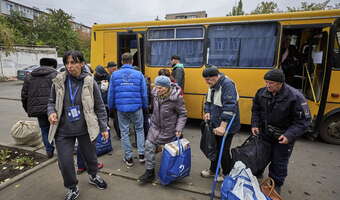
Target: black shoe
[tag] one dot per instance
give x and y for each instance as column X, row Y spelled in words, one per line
column 134, row 144
column 128, row 162
column 141, row 158
column 147, row 177
column 98, row 182
column 278, row 189
column 49, row 154
column 72, row 194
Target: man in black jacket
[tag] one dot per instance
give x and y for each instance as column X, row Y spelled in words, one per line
column 280, row 114
column 34, row 97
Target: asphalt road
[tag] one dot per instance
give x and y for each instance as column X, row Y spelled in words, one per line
column 314, row 169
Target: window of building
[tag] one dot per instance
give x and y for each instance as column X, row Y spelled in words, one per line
column 243, row 45
column 186, row 42
column 9, row 6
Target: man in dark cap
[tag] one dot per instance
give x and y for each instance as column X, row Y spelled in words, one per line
column 177, row 70
column 280, row 114
column 111, row 66
column 220, row 106
column 34, row 97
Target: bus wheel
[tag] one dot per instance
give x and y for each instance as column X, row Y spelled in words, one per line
column 330, row 129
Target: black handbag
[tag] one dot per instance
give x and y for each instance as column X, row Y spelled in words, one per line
column 255, row 153
column 208, row 141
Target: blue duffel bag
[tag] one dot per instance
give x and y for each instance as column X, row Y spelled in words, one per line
column 103, row 146
column 176, row 161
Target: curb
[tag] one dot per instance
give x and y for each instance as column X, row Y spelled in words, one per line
column 13, row 99
column 178, row 185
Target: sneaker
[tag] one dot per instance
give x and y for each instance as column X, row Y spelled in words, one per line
column 128, row 162
column 134, row 144
column 72, row 194
column 100, row 165
column 141, row 159
column 220, row 178
column 80, row 170
column 98, row 182
column 207, row 173
column 147, row 177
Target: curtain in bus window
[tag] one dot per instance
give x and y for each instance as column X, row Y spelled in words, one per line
column 190, row 51
column 189, row 33
column 248, row 45
column 161, row 34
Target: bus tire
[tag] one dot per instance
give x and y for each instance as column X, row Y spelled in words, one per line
column 330, row 129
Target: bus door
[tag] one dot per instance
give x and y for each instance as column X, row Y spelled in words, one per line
column 330, row 126
column 132, row 43
column 303, row 59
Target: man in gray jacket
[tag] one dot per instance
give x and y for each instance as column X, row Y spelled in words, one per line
column 76, row 111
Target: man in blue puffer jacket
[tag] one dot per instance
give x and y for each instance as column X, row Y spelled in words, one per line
column 128, row 95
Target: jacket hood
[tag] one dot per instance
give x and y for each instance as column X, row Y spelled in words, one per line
column 43, row 71
column 179, row 65
column 175, row 92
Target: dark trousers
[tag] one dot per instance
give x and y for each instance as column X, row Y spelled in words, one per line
column 65, row 147
column 226, row 161
column 278, row 168
column 44, row 125
column 114, row 116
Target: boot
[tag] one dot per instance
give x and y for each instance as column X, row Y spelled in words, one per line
column 148, row 176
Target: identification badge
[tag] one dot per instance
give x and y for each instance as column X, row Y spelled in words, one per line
column 73, row 113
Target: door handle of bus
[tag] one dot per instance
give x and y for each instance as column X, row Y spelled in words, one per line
column 335, row 95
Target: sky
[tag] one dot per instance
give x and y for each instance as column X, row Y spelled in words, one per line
column 89, row 12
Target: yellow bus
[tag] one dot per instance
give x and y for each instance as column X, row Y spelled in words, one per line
column 304, row 44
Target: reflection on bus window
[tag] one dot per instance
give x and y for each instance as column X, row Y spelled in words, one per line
column 246, row 45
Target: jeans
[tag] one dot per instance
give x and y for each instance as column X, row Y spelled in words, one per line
column 125, row 118
column 150, row 155
column 44, row 125
column 44, row 132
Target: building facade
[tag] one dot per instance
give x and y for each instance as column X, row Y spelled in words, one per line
column 187, row 15
column 7, row 6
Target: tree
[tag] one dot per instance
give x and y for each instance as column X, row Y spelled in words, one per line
column 54, row 29
column 265, row 7
column 237, row 10
column 6, row 41
column 22, row 28
column 305, row 6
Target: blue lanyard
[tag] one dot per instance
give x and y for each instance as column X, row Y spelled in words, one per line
column 72, row 95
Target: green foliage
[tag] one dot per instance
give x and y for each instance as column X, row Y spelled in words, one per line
column 24, row 161
column 6, row 36
column 265, row 7
column 305, row 6
column 237, row 10
column 52, row 29
column 23, row 29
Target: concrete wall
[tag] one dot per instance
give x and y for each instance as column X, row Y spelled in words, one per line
column 23, row 57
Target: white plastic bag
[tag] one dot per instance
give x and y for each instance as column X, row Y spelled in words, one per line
column 26, row 133
column 247, row 186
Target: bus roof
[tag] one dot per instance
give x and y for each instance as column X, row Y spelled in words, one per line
column 305, row 15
